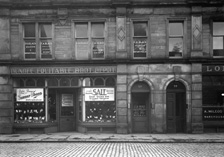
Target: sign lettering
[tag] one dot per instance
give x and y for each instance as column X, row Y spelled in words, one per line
column 62, row 70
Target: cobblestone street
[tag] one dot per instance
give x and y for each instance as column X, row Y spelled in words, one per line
column 111, row 149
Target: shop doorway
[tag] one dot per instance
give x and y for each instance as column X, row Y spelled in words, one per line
column 176, row 107
column 140, row 98
column 67, row 100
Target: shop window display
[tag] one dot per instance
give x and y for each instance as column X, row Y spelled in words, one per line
column 100, row 111
column 99, row 102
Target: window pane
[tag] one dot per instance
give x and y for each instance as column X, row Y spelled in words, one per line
column 99, row 82
column 217, row 42
column 82, row 49
column 218, row 46
column 218, row 28
column 46, row 49
column 175, row 47
column 97, row 30
column 98, row 48
column 81, row 30
column 176, row 29
column 29, row 30
column 140, row 29
column 46, row 30
column 140, row 47
column 30, row 49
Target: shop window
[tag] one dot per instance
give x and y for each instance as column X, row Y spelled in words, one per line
column 41, row 82
column 213, row 90
column 30, row 82
column 176, row 39
column 37, row 39
column 99, row 82
column 110, row 81
column 90, row 40
column 52, row 82
column 100, row 112
column 64, row 82
column 140, row 39
column 29, row 108
column 218, row 34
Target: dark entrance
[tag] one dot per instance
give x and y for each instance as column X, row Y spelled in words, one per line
column 176, row 107
column 67, row 112
column 140, row 98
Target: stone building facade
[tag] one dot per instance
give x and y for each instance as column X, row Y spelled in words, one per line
column 122, row 66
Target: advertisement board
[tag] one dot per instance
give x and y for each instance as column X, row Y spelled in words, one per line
column 29, row 94
column 99, row 94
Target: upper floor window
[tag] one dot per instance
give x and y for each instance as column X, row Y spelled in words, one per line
column 176, row 39
column 37, row 38
column 90, row 40
column 140, row 39
column 218, row 34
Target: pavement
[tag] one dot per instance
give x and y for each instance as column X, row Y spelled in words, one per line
column 106, row 137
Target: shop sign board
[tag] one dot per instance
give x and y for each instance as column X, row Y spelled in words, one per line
column 99, row 94
column 213, row 113
column 29, row 94
column 67, row 100
column 212, row 68
column 63, row 70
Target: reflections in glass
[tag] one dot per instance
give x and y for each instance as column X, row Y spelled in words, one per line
column 140, row 29
column 97, row 30
column 46, row 30
column 218, row 28
column 29, row 30
column 176, row 29
column 81, row 30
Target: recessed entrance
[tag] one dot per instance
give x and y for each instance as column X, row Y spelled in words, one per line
column 140, row 98
column 176, row 107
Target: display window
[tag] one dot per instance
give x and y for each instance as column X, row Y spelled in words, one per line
column 98, row 100
column 213, row 98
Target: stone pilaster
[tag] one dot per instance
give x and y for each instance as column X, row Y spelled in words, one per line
column 6, row 106
column 196, row 118
column 121, row 100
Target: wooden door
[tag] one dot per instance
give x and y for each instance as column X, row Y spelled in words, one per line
column 171, row 117
column 176, row 112
column 67, row 119
column 140, row 113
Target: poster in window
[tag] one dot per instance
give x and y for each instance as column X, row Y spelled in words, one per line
column 99, row 94
column 139, row 48
column 46, row 49
column 29, row 94
column 67, row 100
column 98, row 49
column 30, row 47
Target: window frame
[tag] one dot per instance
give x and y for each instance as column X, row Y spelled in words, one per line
column 212, row 36
column 184, row 36
column 89, row 38
column 37, row 39
column 147, row 21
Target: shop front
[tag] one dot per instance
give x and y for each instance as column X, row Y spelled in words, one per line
column 213, row 98
column 58, row 99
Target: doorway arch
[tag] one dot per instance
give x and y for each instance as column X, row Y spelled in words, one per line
column 176, row 107
column 140, row 107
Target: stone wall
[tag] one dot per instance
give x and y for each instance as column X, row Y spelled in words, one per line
column 6, row 106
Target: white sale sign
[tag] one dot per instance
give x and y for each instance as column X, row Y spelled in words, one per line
column 30, row 95
column 99, row 94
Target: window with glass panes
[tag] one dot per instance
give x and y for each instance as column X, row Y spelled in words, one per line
column 90, row 40
column 176, row 39
column 218, row 34
column 37, row 38
column 140, row 39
